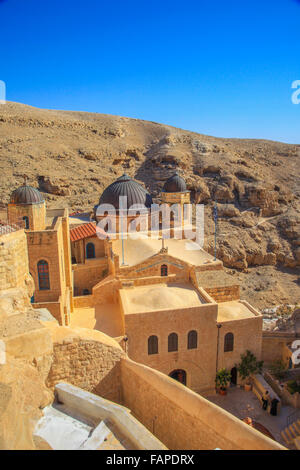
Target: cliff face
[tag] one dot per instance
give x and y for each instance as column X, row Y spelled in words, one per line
column 73, row 156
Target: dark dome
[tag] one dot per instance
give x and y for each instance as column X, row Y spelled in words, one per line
column 26, row 195
column 175, row 184
column 125, row 186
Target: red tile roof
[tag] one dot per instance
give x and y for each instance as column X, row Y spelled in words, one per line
column 85, row 231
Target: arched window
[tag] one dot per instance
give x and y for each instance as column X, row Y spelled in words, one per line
column 90, row 250
column 43, row 275
column 164, row 270
column 228, row 342
column 152, row 345
column 173, row 342
column 26, row 222
column 192, row 339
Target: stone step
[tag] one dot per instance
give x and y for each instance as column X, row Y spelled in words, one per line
column 285, row 438
column 297, row 426
column 292, row 430
column 289, row 435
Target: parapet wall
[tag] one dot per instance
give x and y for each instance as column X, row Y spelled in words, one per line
column 224, row 294
column 180, row 418
column 87, row 359
column 13, row 260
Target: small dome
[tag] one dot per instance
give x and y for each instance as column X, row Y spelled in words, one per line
column 26, row 195
column 125, row 186
column 175, row 184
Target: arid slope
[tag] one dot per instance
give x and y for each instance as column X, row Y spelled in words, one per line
column 73, row 156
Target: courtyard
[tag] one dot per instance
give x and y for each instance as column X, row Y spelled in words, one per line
column 244, row 404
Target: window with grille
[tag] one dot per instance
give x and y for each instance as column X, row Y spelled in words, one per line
column 152, row 345
column 192, row 339
column 228, row 342
column 43, row 275
column 90, row 250
column 164, row 270
column 173, row 342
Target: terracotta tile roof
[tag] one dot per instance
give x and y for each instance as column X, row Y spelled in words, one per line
column 83, row 231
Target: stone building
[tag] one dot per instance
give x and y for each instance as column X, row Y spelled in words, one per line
column 155, row 293
column 49, row 251
column 160, row 315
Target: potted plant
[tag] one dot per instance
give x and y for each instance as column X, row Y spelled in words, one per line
column 248, row 365
column 223, row 378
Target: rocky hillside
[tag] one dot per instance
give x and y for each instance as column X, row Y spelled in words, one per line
column 72, row 156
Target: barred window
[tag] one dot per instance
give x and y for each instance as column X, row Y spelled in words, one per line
column 192, row 339
column 173, row 342
column 228, row 342
column 152, row 345
column 43, row 275
column 164, row 270
column 90, row 250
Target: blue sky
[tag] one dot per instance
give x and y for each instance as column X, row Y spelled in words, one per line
column 222, row 68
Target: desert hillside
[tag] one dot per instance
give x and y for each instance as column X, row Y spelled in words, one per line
column 73, row 156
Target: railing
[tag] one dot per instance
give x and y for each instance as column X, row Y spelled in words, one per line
column 292, row 417
column 9, row 226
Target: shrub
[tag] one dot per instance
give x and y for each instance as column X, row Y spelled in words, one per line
column 293, row 387
column 223, row 378
column 249, row 365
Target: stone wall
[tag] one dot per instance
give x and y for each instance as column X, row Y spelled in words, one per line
column 13, row 260
column 247, row 335
column 273, row 349
column 152, row 267
column 180, row 418
column 106, row 291
column 36, row 214
column 89, row 364
column 87, row 275
column 224, row 294
column 199, row 364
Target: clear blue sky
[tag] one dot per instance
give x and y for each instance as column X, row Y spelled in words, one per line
column 223, row 68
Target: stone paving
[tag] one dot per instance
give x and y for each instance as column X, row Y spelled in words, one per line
column 244, row 404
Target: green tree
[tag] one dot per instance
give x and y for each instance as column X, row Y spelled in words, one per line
column 249, row 365
column 223, row 378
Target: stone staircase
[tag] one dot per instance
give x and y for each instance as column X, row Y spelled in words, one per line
column 291, row 434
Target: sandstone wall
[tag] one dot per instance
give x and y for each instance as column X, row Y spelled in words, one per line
column 273, row 349
column 13, row 260
column 247, row 335
column 224, row 294
column 87, row 275
column 180, row 418
column 199, row 364
column 88, row 363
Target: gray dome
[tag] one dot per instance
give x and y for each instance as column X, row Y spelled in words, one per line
column 175, row 184
column 125, row 186
column 26, row 195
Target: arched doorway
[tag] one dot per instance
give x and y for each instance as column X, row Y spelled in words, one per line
column 233, row 373
column 179, row 375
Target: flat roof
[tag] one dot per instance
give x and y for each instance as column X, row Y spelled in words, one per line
column 138, row 250
column 157, row 297
column 79, row 218
column 234, row 310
